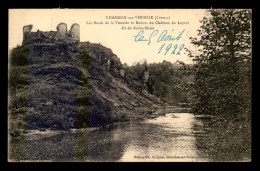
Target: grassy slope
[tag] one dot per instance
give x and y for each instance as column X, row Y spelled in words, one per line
column 61, row 95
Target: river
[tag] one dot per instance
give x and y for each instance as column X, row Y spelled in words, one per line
column 172, row 137
column 168, row 138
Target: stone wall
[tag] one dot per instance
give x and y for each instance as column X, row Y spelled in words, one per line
column 74, row 32
column 26, row 31
column 60, row 36
column 62, row 29
column 52, row 46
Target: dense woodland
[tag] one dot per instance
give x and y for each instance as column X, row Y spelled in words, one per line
column 222, row 80
column 164, row 80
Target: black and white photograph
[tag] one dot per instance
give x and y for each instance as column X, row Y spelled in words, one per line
column 129, row 85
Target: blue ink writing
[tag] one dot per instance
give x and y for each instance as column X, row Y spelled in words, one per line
column 175, row 47
column 160, row 49
column 169, row 47
column 140, row 38
column 164, row 36
column 152, row 34
column 181, row 47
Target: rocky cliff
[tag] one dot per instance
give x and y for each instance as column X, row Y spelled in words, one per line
column 57, row 82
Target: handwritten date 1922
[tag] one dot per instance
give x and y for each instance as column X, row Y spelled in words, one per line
column 175, row 50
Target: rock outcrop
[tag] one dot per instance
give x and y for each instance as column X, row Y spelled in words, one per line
column 65, row 83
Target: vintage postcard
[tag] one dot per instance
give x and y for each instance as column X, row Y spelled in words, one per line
column 129, row 85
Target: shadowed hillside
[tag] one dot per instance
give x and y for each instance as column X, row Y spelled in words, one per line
column 62, row 86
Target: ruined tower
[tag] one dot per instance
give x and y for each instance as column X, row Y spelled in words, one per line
column 52, row 46
column 74, row 32
column 26, row 32
column 62, row 30
column 62, row 35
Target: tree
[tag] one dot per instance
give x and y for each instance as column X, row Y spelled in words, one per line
column 222, row 82
column 222, row 69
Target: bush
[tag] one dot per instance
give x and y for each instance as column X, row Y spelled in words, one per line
column 19, row 56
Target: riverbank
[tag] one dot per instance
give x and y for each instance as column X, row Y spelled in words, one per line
column 124, row 142
column 227, row 139
column 34, row 134
column 19, row 144
column 193, row 138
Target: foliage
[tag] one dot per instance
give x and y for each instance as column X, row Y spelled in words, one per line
column 19, row 56
column 83, row 57
column 164, row 78
column 222, row 78
column 222, row 69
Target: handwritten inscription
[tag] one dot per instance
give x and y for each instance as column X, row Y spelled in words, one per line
column 164, row 36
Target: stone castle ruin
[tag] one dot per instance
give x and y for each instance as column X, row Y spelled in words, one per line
column 62, row 46
column 50, row 37
column 52, row 46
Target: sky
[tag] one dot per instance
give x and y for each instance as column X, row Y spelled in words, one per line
column 123, row 42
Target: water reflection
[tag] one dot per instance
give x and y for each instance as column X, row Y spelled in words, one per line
column 168, row 138
column 172, row 137
column 101, row 145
